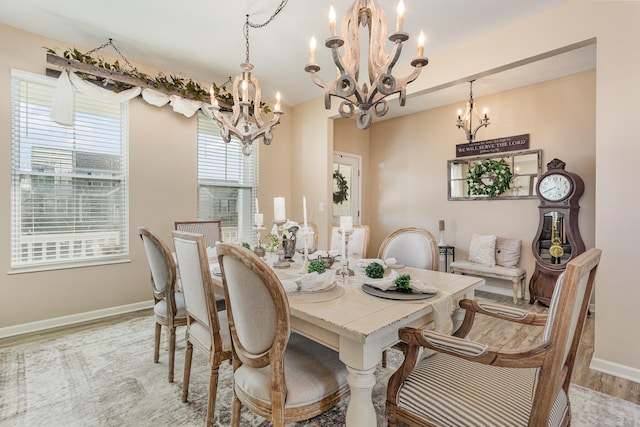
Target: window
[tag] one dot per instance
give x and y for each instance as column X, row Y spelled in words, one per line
column 227, row 184
column 69, row 183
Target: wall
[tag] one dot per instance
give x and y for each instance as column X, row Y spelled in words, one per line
column 163, row 167
column 409, row 156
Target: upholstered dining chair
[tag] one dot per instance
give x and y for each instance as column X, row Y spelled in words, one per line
column 413, row 247
column 206, row 328
column 168, row 305
column 358, row 241
column 211, row 230
column 467, row 383
column 277, row 374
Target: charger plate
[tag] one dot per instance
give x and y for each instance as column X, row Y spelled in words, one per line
column 395, row 295
column 302, row 297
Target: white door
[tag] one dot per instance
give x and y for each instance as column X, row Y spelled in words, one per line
column 346, row 186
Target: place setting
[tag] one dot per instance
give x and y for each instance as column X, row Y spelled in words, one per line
column 381, row 279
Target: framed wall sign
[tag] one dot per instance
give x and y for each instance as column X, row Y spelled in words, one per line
column 485, row 177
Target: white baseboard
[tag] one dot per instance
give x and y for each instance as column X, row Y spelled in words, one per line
column 616, row 369
column 55, row 322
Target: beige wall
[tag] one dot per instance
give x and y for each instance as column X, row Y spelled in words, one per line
column 162, row 167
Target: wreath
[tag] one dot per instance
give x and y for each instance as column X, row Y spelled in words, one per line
column 340, row 196
column 489, row 178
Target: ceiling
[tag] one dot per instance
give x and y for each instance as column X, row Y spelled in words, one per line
column 204, row 40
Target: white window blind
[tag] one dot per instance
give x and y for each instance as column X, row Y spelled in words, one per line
column 69, row 183
column 227, row 184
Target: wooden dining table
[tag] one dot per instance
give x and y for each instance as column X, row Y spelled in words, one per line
column 360, row 326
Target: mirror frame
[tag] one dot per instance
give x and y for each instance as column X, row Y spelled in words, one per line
column 510, row 158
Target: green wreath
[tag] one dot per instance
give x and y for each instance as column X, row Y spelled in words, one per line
column 340, row 196
column 489, row 178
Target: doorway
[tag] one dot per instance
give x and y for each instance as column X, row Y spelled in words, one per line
column 346, row 186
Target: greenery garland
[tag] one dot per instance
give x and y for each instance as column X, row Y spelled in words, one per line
column 497, row 172
column 340, row 196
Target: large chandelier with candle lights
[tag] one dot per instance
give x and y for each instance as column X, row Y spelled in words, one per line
column 368, row 99
column 244, row 121
column 471, row 116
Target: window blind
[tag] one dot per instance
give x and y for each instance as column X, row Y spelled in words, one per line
column 69, row 183
column 227, row 184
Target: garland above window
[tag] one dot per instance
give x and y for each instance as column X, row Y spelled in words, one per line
column 489, row 178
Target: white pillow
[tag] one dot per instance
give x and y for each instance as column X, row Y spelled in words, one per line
column 482, row 249
column 508, row 252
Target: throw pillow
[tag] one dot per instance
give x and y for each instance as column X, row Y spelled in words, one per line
column 482, row 249
column 508, row 252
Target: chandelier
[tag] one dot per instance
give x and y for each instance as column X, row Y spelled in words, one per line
column 367, row 99
column 244, row 121
column 470, row 116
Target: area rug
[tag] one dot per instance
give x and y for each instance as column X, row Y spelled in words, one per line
column 105, row 376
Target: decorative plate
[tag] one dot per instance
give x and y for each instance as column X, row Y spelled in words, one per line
column 395, row 295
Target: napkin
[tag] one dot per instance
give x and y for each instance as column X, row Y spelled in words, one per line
column 389, row 262
column 215, row 269
column 310, row 282
column 387, row 284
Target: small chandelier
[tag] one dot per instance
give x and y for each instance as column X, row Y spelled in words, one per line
column 470, row 116
column 244, row 121
column 366, row 13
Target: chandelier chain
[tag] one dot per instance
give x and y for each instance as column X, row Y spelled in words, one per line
column 248, row 24
column 110, row 42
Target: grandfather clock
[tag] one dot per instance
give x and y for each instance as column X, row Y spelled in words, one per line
column 558, row 238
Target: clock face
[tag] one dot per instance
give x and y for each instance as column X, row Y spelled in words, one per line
column 554, row 187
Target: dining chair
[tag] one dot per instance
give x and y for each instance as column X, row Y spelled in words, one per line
column 358, row 241
column 413, row 247
column 467, row 383
column 211, row 230
column 207, row 328
column 279, row 375
column 168, row 305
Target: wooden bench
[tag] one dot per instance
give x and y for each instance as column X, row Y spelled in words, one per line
column 517, row 275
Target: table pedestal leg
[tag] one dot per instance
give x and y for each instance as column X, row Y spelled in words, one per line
column 360, row 411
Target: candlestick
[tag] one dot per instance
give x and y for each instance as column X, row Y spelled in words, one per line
column 304, row 211
column 305, row 264
column 441, row 227
column 258, row 249
column 345, row 271
column 279, row 212
column 281, row 262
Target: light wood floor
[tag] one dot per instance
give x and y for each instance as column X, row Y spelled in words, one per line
column 488, row 330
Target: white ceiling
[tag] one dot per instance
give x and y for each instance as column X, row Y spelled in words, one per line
column 204, row 40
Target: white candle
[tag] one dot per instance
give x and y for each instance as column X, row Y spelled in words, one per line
column 332, row 22
column 421, row 39
column 259, row 219
column 312, row 50
column 279, row 213
column 344, row 244
column 400, row 20
column 346, row 223
column 257, row 208
column 277, row 106
column 304, row 211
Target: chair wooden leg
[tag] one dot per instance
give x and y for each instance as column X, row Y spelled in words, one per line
column 156, row 348
column 235, row 411
column 172, row 352
column 384, row 358
column 213, row 390
column 187, row 371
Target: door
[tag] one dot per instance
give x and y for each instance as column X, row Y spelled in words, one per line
column 346, row 186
